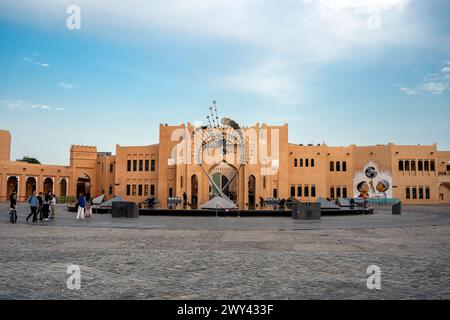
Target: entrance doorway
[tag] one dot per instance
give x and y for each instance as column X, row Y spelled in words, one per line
column 12, row 185
column 48, row 185
column 83, row 186
column 30, row 186
column 63, row 187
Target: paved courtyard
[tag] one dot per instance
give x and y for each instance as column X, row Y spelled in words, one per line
column 228, row 258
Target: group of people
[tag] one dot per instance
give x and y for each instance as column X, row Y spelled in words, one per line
column 41, row 205
column 84, row 206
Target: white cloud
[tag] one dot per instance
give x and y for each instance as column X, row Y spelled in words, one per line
column 22, row 105
column 66, row 85
column 295, row 32
column 32, row 61
column 433, row 83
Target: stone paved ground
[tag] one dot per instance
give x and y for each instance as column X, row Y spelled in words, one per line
column 268, row 262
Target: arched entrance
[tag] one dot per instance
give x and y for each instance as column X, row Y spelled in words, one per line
column 63, row 187
column 30, row 186
column 221, row 174
column 251, row 191
column 48, row 185
column 83, row 185
column 12, row 185
column 194, row 191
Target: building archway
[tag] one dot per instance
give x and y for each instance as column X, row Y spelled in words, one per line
column 12, row 185
column 221, row 174
column 251, row 192
column 194, row 191
column 63, row 187
column 48, row 185
column 83, row 185
column 30, row 186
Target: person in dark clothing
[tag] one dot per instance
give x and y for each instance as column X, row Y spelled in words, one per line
column 12, row 206
column 39, row 208
column 46, row 204
column 34, row 203
column 184, row 200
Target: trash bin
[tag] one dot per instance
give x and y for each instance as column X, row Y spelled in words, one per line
column 397, row 208
column 125, row 209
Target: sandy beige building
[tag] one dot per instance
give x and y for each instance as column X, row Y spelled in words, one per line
column 413, row 174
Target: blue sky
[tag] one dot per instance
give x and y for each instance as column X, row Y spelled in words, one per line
column 344, row 72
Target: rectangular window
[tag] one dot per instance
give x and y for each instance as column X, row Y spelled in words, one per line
column 312, row 162
column 110, row 189
column 181, row 181
column 152, row 189
column 420, row 193
column 332, row 193
column 448, row 167
column 344, row 192
column 134, row 165
column 111, row 168
column 408, row 193
column 146, row 165
column 153, row 163
column 414, row 190
column 275, row 193
column 146, row 190
column 128, row 165
column 338, row 192
column 133, row 190
column 140, row 190
column 128, row 189
column 313, row 190
column 141, row 165
column 427, row 193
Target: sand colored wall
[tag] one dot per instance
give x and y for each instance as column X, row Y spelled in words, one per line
column 178, row 176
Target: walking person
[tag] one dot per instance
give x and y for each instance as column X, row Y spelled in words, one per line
column 53, row 206
column 46, row 205
column 33, row 201
column 39, row 208
column 12, row 207
column 87, row 210
column 81, row 201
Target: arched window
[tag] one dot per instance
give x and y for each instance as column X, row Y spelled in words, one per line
column 426, row 165
column 299, row 191
column 292, row 191
column 432, row 166
column 406, row 165
column 295, row 162
column 338, row 166
column 312, row 162
column 332, row 193
column 408, row 193
column 400, row 165
column 344, row 166
column 344, row 192
column 420, row 165
column 306, row 190
column 306, row 162
column 413, row 165
column 301, row 162
column 338, row 192
column 313, row 191
column 331, row 166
